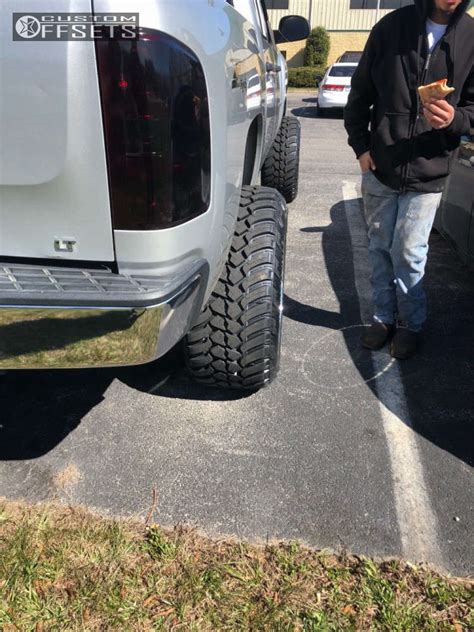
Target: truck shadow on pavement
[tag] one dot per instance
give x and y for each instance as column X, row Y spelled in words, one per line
column 438, row 382
column 39, row 409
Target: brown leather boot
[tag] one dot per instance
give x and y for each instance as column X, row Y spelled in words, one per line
column 405, row 343
column 376, row 336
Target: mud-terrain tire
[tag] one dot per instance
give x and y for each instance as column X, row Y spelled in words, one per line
column 281, row 167
column 236, row 340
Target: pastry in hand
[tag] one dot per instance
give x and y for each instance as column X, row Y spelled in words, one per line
column 437, row 90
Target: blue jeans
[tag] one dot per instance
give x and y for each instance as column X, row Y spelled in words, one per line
column 399, row 226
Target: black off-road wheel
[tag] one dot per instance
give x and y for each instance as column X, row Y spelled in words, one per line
column 281, row 167
column 236, row 340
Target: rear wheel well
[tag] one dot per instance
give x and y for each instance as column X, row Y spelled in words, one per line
column 252, row 150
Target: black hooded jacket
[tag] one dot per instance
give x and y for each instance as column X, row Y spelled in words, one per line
column 408, row 153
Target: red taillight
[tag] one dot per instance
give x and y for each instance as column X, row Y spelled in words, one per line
column 333, row 87
column 156, row 116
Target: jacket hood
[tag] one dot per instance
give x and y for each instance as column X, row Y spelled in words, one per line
column 424, row 8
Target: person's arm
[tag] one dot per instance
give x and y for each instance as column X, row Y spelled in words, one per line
column 361, row 98
column 460, row 120
column 463, row 121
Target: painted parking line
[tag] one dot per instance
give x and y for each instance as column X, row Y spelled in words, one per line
column 416, row 519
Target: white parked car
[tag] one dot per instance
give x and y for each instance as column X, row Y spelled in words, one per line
column 335, row 86
column 254, row 92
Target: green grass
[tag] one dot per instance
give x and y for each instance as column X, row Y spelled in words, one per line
column 65, row 569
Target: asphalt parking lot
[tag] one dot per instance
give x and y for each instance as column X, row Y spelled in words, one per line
column 347, row 450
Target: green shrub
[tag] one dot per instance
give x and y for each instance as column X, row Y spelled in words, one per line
column 317, row 47
column 304, row 77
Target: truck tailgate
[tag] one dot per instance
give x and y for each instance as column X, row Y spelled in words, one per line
column 54, row 196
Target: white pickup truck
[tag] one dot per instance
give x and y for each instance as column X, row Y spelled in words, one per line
column 143, row 178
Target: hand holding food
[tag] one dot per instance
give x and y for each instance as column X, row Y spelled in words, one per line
column 437, row 111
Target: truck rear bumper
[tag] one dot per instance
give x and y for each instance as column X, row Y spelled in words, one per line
column 57, row 318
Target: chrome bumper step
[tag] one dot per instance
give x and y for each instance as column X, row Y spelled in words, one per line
column 54, row 318
column 37, row 285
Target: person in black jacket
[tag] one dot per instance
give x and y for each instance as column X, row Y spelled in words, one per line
column 405, row 151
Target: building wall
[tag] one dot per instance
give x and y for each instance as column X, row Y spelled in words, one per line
column 334, row 15
column 348, row 28
column 340, row 42
column 294, row 53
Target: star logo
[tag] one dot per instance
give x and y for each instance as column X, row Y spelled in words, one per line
column 28, row 26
